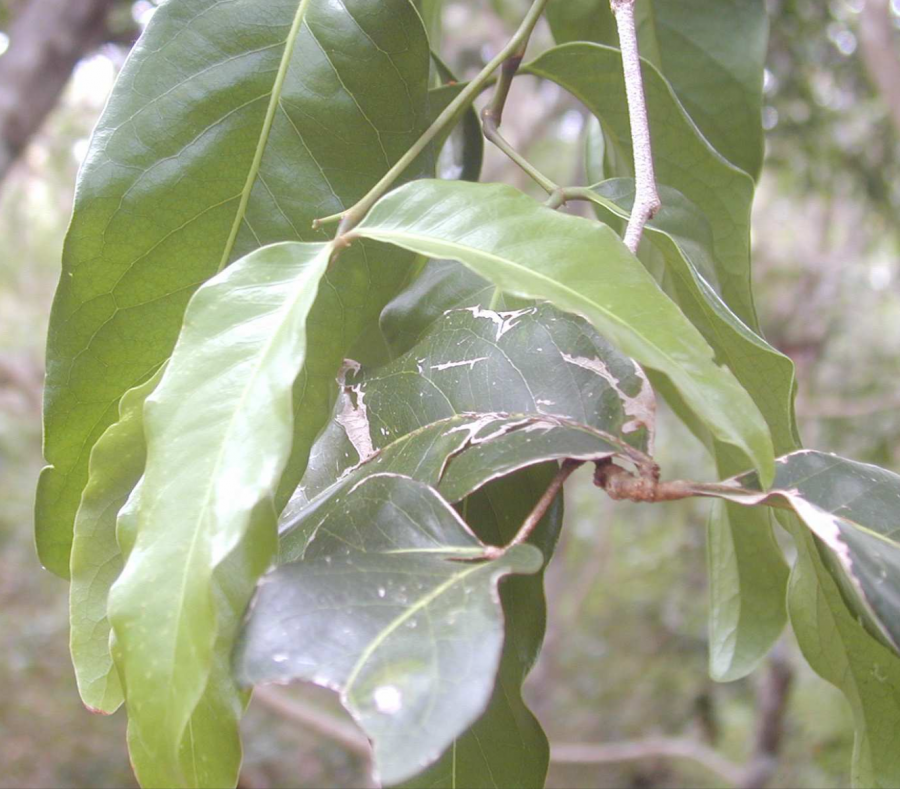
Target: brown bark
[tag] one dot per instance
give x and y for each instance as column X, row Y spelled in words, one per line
column 47, row 38
column 880, row 54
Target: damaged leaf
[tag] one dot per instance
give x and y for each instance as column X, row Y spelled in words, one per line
column 387, row 606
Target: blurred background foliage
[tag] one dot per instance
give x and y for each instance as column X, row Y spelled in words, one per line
column 625, row 659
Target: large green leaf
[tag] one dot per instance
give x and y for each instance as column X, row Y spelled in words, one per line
column 682, row 158
column 581, row 267
column 212, row 145
column 712, row 52
column 117, row 463
column 218, row 433
column 747, row 572
column 381, row 607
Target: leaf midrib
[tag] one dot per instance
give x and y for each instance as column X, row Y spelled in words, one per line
column 271, row 109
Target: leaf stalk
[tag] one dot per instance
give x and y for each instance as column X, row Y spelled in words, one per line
column 357, row 212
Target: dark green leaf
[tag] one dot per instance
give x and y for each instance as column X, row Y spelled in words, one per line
column 712, row 52
column 682, row 158
column 218, row 431
column 581, row 267
column 212, row 145
column 381, row 608
column 852, row 508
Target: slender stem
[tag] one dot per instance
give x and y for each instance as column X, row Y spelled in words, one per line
column 355, row 214
column 540, row 509
column 646, row 199
column 492, row 117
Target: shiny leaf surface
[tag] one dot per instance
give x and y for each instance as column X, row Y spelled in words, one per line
column 212, row 145
column 411, row 622
column 581, row 267
column 682, row 158
column 218, row 432
column 712, row 52
column 747, row 572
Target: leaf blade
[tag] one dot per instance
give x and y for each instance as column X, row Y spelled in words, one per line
column 542, row 254
column 218, row 434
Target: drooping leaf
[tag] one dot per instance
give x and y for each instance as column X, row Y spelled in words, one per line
column 212, row 145
column 747, row 572
column 581, row 267
column 117, row 462
column 841, row 650
column 682, row 158
column 712, row 52
column 506, row 746
column 384, row 607
column 218, row 432
column 852, row 509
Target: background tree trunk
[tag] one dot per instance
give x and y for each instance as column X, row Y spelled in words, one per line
column 47, row 39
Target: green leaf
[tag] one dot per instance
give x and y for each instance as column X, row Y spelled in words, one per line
column 218, row 432
column 842, row 651
column 712, row 52
column 852, row 509
column 747, row 571
column 381, row 608
column 212, row 145
column 440, row 319
column 682, row 158
column 117, row 462
column 581, row 267
column 506, row 745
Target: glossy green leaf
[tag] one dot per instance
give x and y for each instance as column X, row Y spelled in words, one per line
column 682, row 158
column 852, row 508
column 712, row 52
column 117, row 463
column 218, row 432
column 506, row 745
column 842, row 651
column 212, row 145
column 387, row 606
column 747, row 571
column 581, row 267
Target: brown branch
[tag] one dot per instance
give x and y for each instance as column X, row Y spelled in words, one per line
column 621, row 485
column 540, row 509
column 47, row 38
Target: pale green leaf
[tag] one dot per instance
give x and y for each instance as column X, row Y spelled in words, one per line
column 218, row 433
column 117, row 462
column 580, row 267
column 233, row 125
